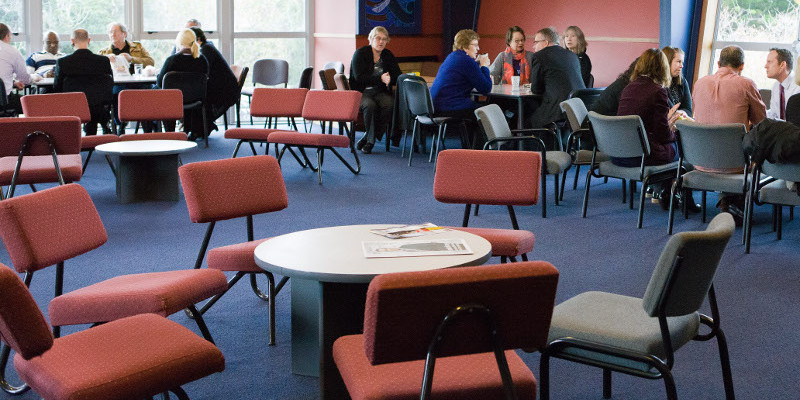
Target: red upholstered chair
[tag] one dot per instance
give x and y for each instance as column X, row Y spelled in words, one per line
column 130, row 358
column 509, row 178
column 39, row 150
column 151, row 105
column 269, row 103
column 51, row 226
column 445, row 333
column 324, row 105
column 67, row 104
column 233, row 188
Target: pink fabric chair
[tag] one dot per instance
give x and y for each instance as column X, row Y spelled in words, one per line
column 234, row 188
column 151, row 105
column 130, row 358
column 444, row 333
column 269, row 103
column 39, row 150
column 51, row 226
column 67, row 104
column 509, row 178
column 324, row 105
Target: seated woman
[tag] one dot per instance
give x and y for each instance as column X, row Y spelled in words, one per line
column 608, row 101
column 373, row 71
column 575, row 41
column 187, row 58
column 461, row 72
column 678, row 91
column 514, row 61
column 222, row 83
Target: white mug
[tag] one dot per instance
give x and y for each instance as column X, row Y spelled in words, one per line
column 515, row 81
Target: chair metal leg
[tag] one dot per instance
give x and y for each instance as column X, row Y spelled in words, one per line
column 236, row 149
column 201, row 323
column 563, row 184
column 624, row 191
column 606, row 383
column 703, row 195
column 544, row 376
column 672, row 207
column 586, row 192
column 524, row 256
column 319, row 164
column 727, row 377
column 641, row 200
column 779, row 220
column 88, row 157
column 7, row 387
column 555, row 186
column 544, row 192
column 632, row 191
column 575, row 181
column 413, row 139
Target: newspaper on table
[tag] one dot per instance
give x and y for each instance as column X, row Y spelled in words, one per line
column 119, row 66
column 407, row 231
column 415, row 248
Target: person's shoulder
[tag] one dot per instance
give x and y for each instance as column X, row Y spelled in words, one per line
column 136, row 45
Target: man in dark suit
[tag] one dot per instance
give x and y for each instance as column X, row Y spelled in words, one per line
column 555, row 72
column 86, row 72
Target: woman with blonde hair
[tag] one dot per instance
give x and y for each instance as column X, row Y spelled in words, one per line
column 678, row 91
column 575, row 41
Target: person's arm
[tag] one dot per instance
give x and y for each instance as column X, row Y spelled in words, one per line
column 479, row 76
column 392, row 67
column 30, row 64
column 686, row 97
column 164, row 69
column 21, row 70
column 757, row 110
column 141, row 56
column 586, row 69
column 537, row 83
column 362, row 68
column 661, row 131
column 496, row 70
column 774, row 102
column 58, row 80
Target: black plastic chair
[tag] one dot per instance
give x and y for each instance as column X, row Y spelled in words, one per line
column 270, row 72
column 99, row 91
column 588, row 95
column 193, row 85
column 5, row 110
column 241, row 77
column 305, row 78
column 420, row 105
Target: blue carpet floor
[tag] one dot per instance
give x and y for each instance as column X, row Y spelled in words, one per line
column 758, row 293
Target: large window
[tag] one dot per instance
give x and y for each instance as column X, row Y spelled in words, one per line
column 159, row 15
column 269, row 15
column 12, row 13
column 62, row 16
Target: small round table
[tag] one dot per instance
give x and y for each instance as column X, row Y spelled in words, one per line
column 147, row 169
column 330, row 276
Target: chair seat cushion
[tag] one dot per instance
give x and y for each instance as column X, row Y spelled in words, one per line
column 729, row 183
column 557, row 162
column 162, row 293
column 584, row 157
column 132, row 358
column 505, row 242
column 248, row 134
column 90, row 142
column 777, row 193
column 154, row 136
column 618, row 321
column 309, row 139
column 436, row 120
column 472, row 376
column 235, row 257
column 607, row 168
column 40, row 169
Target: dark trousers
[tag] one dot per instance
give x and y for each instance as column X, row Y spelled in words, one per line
column 14, row 103
column 100, row 115
column 377, row 111
column 471, row 125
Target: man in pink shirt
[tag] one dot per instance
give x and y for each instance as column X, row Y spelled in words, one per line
column 728, row 97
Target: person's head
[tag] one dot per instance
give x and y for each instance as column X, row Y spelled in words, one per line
column 574, row 40
column 117, row 32
column 467, row 40
column 732, row 57
column 5, row 33
column 544, row 38
column 378, row 38
column 186, row 39
column 515, row 39
column 653, row 64
column 675, row 58
column 50, row 44
column 200, row 35
column 191, row 23
column 80, row 39
column 779, row 64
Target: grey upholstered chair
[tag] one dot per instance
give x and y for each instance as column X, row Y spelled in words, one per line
column 639, row 336
column 269, row 72
column 494, row 124
column 771, row 191
column 577, row 115
column 623, row 137
column 710, row 146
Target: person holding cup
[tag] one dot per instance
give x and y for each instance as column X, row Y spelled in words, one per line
column 515, row 61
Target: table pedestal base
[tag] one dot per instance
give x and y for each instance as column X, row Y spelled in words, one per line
column 339, row 308
column 147, row 178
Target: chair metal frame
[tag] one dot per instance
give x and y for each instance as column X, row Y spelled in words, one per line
column 576, row 137
column 757, row 182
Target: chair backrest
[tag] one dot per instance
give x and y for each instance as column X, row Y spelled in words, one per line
column 232, row 188
column 64, row 130
column 278, row 102
column 487, row 177
column 337, row 66
column 403, row 118
column 193, row 85
column 332, row 105
column 403, row 310
column 57, row 104
column 326, row 77
column 50, row 226
column 622, row 136
column 418, row 98
column 787, row 172
column 271, row 71
column 591, row 81
column 493, row 121
column 588, row 95
column 3, row 96
column 576, row 112
column 305, row 78
column 241, row 74
column 680, row 287
column 342, row 83
column 22, row 325
column 150, row 105
column 712, row 146
column 99, row 89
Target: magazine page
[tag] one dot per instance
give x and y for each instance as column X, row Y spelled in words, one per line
column 415, row 248
column 406, row 231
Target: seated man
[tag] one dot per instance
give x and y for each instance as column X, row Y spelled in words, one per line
column 41, row 64
column 133, row 52
column 779, row 67
column 12, row 69
column 79, row 71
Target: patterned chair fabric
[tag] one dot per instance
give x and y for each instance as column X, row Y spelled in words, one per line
column 150, row 105
column 57, row 104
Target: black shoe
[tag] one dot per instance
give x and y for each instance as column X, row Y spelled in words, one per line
column 738, row 214
column 361, row 143
column 192, row 137
column 690, row 204
column 367, row 148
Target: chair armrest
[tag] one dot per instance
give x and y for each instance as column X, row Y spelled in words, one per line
column 518, row 139
column 537, row 131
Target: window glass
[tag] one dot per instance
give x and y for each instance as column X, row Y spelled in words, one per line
column 754, row 62
column 269, row 15
column 63, row 16
column 172, row 15
column 247, row 51
column 12, row 14
column 772, row 21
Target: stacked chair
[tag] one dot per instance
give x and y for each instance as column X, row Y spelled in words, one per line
column 579, row 139
column 269, row 72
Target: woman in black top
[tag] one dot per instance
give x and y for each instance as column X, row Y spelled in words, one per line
column 373, row 71
column 223, row 87
column 575, row 41
column 678, row 91
column 608, row 101
column 187, row 58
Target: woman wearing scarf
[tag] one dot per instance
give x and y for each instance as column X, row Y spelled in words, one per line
column 514, row 61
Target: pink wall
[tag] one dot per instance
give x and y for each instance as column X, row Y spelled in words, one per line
column 334, row 31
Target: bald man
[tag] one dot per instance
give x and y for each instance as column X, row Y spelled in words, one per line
column 40, row 64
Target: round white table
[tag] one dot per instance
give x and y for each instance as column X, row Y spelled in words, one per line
column 330, row 276
column 147, row 169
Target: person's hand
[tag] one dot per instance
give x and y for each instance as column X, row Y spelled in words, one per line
column 50, row 74
column 483, row 60
column 19, row 85
column 386, row 78
column 111, row 57
column 127, row 56
column 674, row 115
